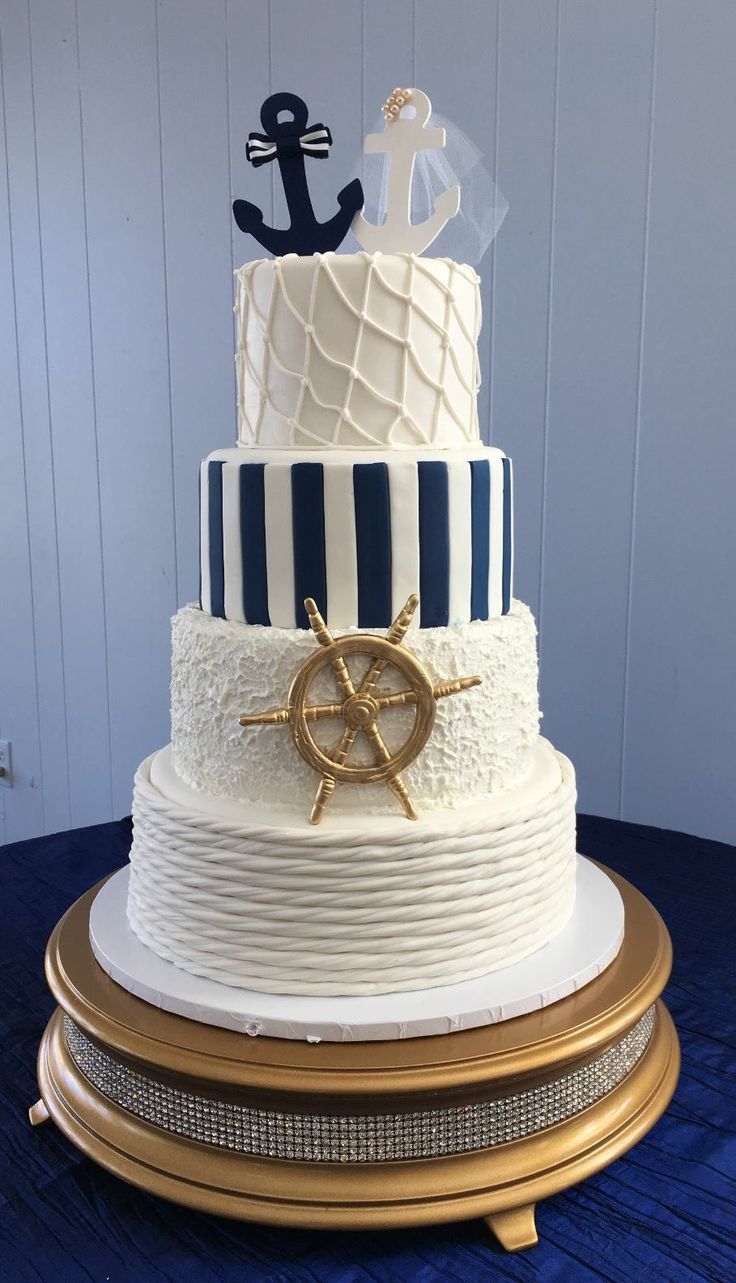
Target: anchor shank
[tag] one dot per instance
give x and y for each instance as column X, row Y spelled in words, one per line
column 404, row 139
column 296, row 191
column 399, row 189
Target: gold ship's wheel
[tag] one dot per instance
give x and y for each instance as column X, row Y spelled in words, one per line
column 360, row 707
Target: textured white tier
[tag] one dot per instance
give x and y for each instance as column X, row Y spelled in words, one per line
column 482, row 741
column 263, row 901
column 357, row 351
column 585, row 946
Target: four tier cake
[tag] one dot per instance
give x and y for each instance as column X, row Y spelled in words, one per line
column 359, row 482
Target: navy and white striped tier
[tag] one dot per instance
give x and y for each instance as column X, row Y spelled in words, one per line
column 359, row 537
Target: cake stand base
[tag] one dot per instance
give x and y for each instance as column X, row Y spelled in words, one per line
column 480, row 1123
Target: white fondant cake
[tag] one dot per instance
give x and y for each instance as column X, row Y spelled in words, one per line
column 256, row 897
column 359, row 479
column 482, row 742
column 357, row 351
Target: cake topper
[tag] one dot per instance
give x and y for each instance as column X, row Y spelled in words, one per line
column 359, row 707
column 403, row 137
column 288, row 142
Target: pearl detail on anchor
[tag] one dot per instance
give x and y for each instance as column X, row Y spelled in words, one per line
column 392, row 106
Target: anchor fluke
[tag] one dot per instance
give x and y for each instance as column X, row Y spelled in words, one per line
column 248, row 217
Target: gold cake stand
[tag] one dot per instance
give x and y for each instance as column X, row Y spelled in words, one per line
column 479, row 1123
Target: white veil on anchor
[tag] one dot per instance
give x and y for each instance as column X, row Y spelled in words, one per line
column 483, row 207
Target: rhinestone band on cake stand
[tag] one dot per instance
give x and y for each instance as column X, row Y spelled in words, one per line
column 483, row 1122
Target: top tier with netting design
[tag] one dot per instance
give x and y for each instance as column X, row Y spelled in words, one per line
column 357, row 352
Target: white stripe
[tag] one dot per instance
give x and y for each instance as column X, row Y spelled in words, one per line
column 279, row 545
column 204, row 532
column 341, row 555
column 232, row 552
column 458, row 498
column 495, row 561
column 403, row 481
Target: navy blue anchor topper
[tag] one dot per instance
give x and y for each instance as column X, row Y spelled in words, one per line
column 288, row 142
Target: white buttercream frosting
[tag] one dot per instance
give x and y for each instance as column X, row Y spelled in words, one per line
column 357, row 351
column 482, row 742
column 256, row 898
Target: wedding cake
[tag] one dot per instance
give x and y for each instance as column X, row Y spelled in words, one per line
column 363, row 979
column 359, row 483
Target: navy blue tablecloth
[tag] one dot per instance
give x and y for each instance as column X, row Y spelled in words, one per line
column 664, row 1212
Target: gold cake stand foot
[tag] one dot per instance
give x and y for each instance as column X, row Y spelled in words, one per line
column 484, row 1123
column 38, row 1114
column 514, row 1229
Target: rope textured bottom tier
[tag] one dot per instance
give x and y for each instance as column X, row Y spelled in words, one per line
column 319, row 912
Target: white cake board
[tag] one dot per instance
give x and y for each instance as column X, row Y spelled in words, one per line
column 576, row 956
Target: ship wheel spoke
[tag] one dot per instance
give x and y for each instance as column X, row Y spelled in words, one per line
column 324, row 793
column 452, row 687
column 397, row 698
column 274, row 717
column 325, row 638
column 327, row 783
column 315, row 712
column 395, row 782
column 317, row 623
column 395, row 634
column 380, row 747
column 372, row 676
column 345, row 744
column 397, row 631
column 344, row 680
column 399, row 789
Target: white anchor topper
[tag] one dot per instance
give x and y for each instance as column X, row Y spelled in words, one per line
column 403, row 138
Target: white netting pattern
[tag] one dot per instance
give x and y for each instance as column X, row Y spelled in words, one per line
column 284, row 910
column 322, row 368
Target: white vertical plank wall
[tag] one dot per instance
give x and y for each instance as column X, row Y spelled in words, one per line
column 19, row 702
column 41, row 525
column 679, row 751
column 73, row 423
column 608, row 355
column 195, row 171
column 520, row 317
column 594, row 324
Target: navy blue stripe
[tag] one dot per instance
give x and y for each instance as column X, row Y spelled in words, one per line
column 308, row 527
column 199, row 531
column 253, row 543
column 373, row 544
column 480, row 525
column 507, row 537
column 434, row 545
column 217, row 560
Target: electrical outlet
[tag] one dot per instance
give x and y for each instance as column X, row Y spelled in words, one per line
column 6, row 765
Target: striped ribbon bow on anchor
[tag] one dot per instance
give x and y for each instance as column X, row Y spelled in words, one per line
column 260, row 149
